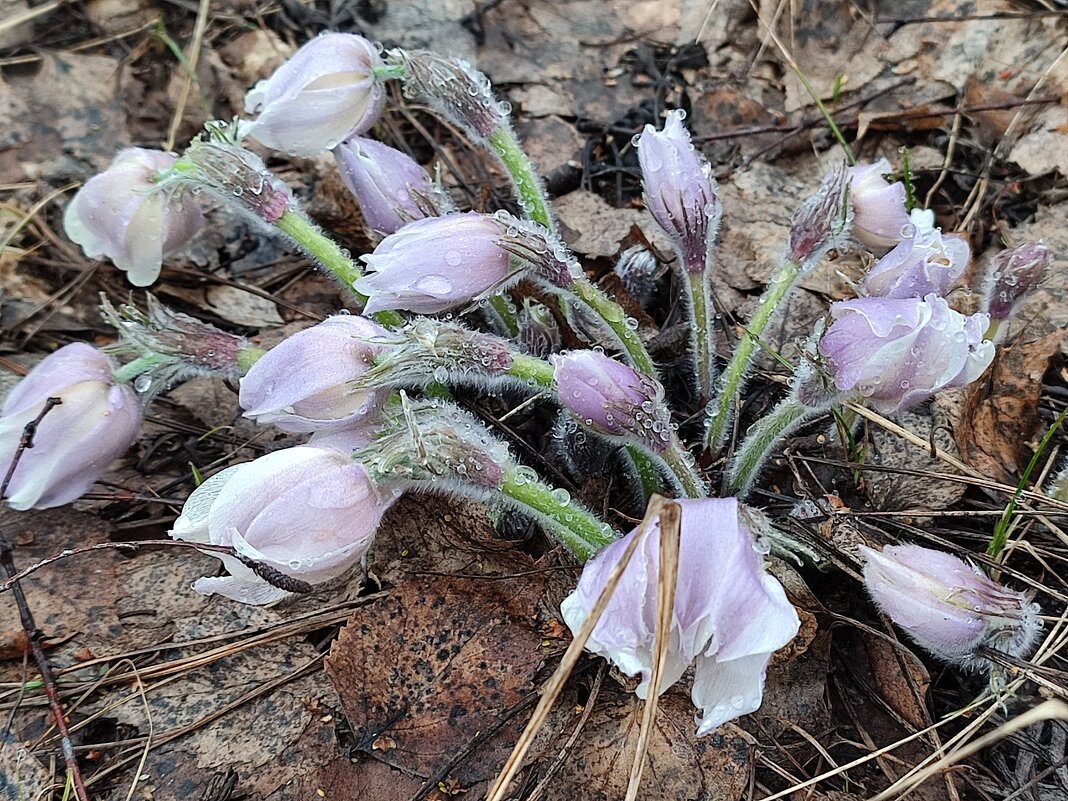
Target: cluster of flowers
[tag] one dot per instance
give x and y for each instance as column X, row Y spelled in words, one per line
column 356, row 383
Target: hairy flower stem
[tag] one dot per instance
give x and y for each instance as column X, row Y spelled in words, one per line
column 762, row 438
column 648, row 466
column 505, row 146
column 700, row 305
column 732, row 381
column 573, row 526
column 330, row 256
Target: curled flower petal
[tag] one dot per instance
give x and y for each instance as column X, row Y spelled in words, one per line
column 922, row 263
column 879, row 215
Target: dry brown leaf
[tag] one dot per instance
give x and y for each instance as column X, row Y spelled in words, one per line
column 999, row 414
column 435, row 664
column 899, row 680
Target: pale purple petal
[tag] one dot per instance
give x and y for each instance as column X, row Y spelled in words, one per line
column 879, row 215
column 384, row 181
column 922, row 263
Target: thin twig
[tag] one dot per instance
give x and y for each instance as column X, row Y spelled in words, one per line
column 33, row 634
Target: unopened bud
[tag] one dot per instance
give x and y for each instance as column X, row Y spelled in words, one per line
column 639, row 272
column 879, row 214
column 1013, row 274
column 823, row 221
column 539, row 335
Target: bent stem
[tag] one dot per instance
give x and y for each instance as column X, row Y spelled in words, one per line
column 570, row 524
column 731, row 381
column 762, row 438
column 615, row 319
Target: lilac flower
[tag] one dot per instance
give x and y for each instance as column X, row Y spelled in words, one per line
column 948, row 606
column 122, row 214
column 389, row 186
column 879, row 213
column 923, row 262
column 308, row 513
column 679, row 189
column 302, row 384
column 729, row 615
column 437, row 263
column 613, row 399
column 1012, row 274
column 97, row 421
column 325, row 93
column 899, row 352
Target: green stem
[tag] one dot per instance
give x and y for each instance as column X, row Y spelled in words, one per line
column 505, row 146
column 568, row 522
column 532, row 369
column 761, row 439
column 505, row 311
column 330, row 256
column 701, row 310
column 616, row 320
column 248, row 356
column 647, row 471
column 730, row 383
column 682, row 467
column 142, row 364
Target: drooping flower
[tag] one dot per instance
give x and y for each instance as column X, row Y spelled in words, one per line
column 301, row 384
column 897, row 352
column 124, row 215
column 728, row 619
column 923, row 262
column 389, row 186
column 307, row 512
column 325, row 93
column 613, row 399
column 97, row 421
column 879, row 214
column 680, row 191
column 1012, row 274
column 950, row 608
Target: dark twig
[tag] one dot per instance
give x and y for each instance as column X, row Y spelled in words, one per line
column 33, row 634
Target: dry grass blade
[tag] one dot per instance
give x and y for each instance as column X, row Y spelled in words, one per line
column 570, row 658
column 670, row 525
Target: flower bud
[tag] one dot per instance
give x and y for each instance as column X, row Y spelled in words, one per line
column 452, row 88
column 390, row 187
column 308, row 513
column 613, row 399
column 948, row 606
column 729, row 616
column 899, row 352
column 325, row 93
column 97, row 421
column 679, row 189
column 822, row 222
column 426, row 351
column 923, row 262
column 437, row 263
column 1012, row 274
column 302, row 384
column 424, row 440
column 125, row 215
column 638, row 271
column 879, row 214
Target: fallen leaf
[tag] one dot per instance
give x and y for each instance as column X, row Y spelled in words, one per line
column 435, row 664
column 999, row 414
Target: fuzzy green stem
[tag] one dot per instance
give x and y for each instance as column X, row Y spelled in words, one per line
column 504, row 310
column 142, row 364
column 248, row 356
column 730, row 384
column 613, row 316
column 762, row 438
column 532, row 369
column 681, row 466
column 701, row 309
column 647, row 471
column 330, row 256
column 568, row 522
column 504, row 144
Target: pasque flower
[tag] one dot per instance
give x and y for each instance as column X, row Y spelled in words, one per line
column 124, row 215
column 879, row 214
column 309, row 513
column 389, row 186
column 728, row 619
column 301, row 384
column 612, row 398
column 950, row 608
column 1012, row 274
column 679, row 189
column 96, row 422
column 325, row 93
column 923, row 262
column 897, row 352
